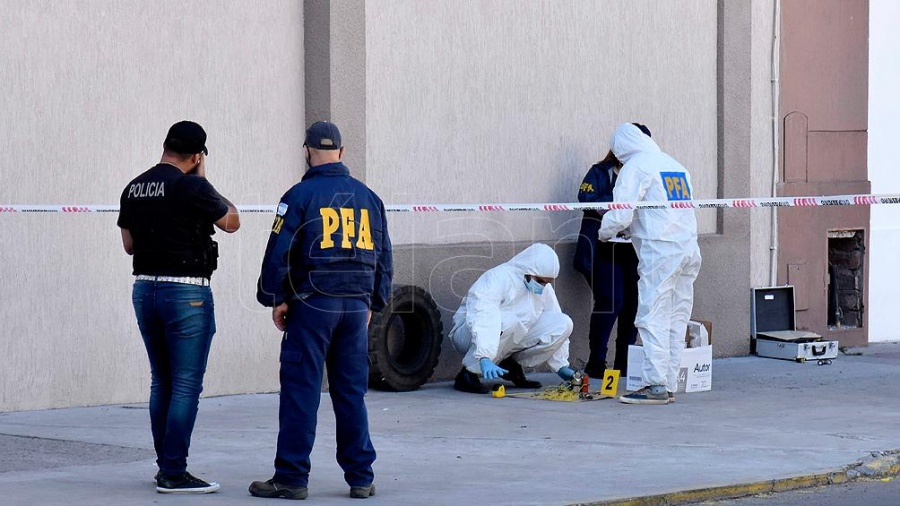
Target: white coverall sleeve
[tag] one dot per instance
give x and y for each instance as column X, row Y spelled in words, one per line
column 551, row 303
column 560, row 357
column 483, row 313
column 630, row 187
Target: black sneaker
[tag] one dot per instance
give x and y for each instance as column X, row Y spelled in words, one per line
column 516, row 374
column 272, row 489
column 184, row 484
column 469, row 382
column 362, row 492
column 595, row 371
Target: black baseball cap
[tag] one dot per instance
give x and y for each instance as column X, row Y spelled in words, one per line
column 187, row 138
column 323, row 135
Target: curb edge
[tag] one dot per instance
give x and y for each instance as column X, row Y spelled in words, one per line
column 880, row 465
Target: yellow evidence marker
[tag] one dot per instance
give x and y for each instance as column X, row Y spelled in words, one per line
column 610, row 382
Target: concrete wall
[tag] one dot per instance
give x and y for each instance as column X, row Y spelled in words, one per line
column 824, row 148
column 884, row 109
column 497, row 105
column 507, row 101
column 88, row 91
column 736, row 258
column 439, row 102
column 761, row 159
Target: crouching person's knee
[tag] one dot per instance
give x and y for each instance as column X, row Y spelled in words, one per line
column 563, row 326
column 568, row 325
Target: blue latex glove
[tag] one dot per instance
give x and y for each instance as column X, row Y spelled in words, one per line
column 566, row 373
column 491, row 370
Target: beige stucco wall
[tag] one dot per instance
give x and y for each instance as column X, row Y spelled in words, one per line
column 441, row 101
column 88, row 91
column 507, row 101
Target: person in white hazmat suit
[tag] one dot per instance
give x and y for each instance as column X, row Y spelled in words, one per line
column 665, row 241
column 511, row 318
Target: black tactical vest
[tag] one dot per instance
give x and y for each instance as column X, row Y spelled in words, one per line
column 171, row 237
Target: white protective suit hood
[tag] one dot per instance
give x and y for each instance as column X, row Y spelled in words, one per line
column 536, row 260
column 628, row 140
column 648, row 175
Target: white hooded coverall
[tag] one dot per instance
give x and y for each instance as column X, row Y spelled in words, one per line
column 665, row 241
column 500, row 317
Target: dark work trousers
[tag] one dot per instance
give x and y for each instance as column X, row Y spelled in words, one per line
column 324, row 330
column 614, row 283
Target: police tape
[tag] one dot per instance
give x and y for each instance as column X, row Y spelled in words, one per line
column 740, row 203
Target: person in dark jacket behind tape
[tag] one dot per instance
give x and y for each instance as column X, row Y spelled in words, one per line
column 327, row 266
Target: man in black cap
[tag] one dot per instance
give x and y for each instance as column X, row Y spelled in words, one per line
column 166, row 217
column 327, row 266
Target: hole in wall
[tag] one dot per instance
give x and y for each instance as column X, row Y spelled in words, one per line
column 846, row 254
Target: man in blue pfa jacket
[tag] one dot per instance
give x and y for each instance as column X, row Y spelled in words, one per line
column 327, row 266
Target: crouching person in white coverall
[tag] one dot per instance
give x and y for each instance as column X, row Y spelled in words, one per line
column 665, row 241
column 511, row 318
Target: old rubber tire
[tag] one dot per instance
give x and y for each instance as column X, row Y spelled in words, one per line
column 405, row 340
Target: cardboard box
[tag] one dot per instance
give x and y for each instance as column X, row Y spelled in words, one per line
column 699, row 333
column 694, row 375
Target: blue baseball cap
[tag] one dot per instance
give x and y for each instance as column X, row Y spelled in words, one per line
column 323, row 135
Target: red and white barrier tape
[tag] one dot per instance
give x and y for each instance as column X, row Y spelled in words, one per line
column 743, row 203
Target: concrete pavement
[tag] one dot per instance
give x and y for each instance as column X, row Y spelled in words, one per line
column 764, row 421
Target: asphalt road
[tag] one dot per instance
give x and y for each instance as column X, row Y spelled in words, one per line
column 860, row 493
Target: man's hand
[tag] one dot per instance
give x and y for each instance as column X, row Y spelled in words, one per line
column 201, row 167
column 369, row 318
column 279, row 316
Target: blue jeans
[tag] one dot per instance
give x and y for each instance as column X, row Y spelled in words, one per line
column 177, row 323
column 324, row 330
